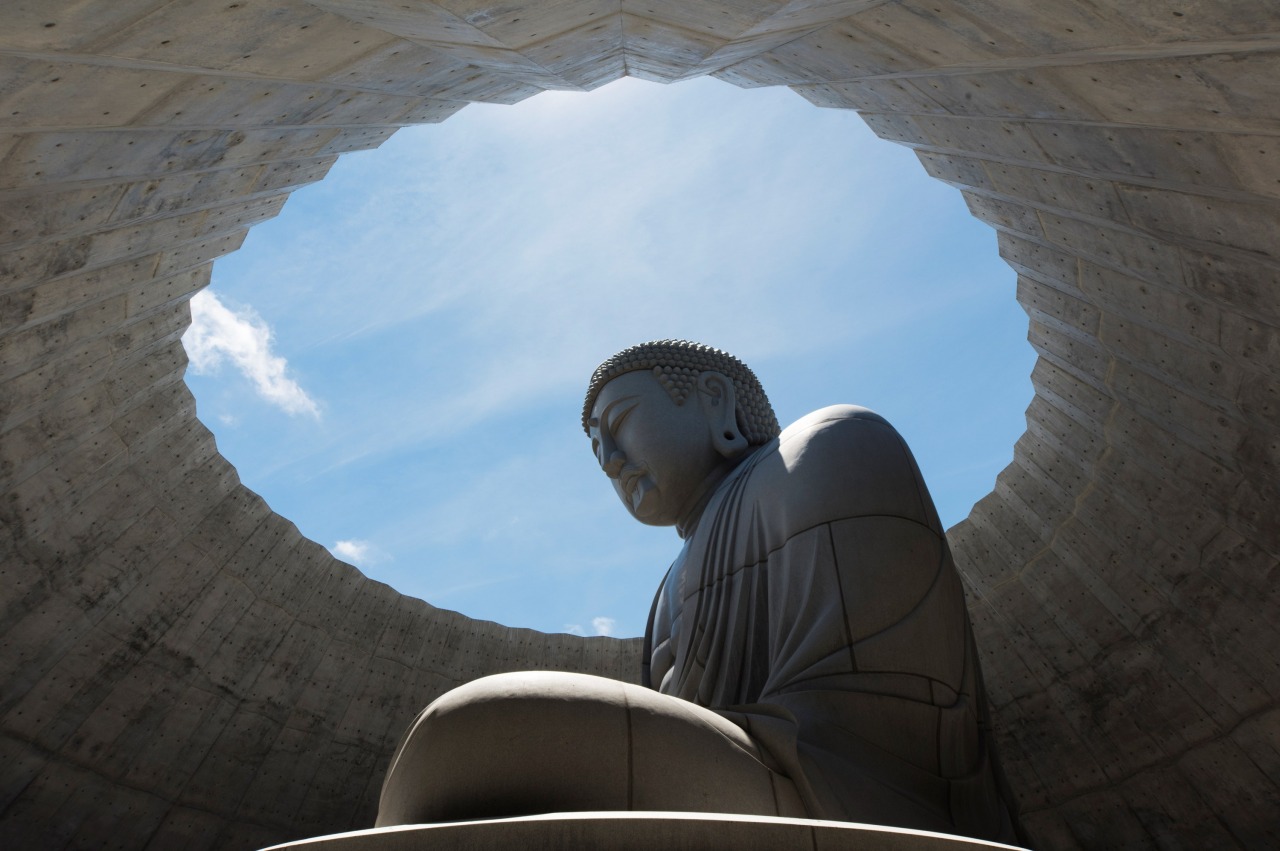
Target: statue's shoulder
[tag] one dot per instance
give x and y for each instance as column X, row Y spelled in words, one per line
column 832, row 417
column 841, row 461
column 841, row 434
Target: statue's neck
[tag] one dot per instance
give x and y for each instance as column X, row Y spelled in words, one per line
column 688, row 521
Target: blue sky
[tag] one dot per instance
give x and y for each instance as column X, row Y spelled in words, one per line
column 396, row 363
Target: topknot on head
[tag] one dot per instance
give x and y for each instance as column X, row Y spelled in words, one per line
column 676, row 364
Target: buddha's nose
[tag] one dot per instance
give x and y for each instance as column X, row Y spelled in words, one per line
column 613, row 466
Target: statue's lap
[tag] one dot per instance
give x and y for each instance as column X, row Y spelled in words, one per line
column 535, row 742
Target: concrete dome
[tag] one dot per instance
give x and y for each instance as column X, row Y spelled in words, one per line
column 182, row 669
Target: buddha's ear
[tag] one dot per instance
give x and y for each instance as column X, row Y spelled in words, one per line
column 720, row 405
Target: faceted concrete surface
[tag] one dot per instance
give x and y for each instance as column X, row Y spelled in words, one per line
column 642, row 831
column 181, row 667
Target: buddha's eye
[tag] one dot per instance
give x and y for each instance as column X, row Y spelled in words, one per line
column 618, row 418
column 595, row 447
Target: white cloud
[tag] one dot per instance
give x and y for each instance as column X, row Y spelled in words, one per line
column 601, row 625
column 218, row 333
column 357, row 552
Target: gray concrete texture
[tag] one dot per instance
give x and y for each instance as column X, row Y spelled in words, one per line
column 181, row 667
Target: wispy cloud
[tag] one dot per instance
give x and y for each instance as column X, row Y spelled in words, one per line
column 219, row 334
column 627, row 228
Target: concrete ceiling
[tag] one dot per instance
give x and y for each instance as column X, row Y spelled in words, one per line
column 182, row 668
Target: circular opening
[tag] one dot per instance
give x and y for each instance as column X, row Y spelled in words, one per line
column 414, row 334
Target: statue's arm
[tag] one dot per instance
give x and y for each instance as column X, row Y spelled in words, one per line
column 859, row 564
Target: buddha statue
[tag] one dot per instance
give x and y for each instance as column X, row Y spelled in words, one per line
column 808, row 654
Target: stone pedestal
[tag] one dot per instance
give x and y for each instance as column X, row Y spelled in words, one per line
column 640, row 831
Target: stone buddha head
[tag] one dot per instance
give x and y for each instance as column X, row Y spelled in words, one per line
column 668, row 420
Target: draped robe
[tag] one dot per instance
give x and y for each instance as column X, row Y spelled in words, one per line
column 815, row 604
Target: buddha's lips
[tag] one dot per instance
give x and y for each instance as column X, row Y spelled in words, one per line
column 630, row 476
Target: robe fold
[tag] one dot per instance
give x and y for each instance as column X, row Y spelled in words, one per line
column 815, row 604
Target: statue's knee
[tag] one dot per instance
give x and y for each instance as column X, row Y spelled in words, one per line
column 527, row 711
column 470, row 753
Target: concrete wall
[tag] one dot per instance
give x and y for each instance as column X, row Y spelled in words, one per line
column 181, row 668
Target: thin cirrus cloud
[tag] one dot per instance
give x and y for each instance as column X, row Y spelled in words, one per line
column 515, row 279
column 219, row 334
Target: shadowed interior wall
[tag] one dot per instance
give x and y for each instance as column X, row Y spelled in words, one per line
column 181, row 668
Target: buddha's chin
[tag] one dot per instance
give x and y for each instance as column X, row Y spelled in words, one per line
column 644, row 501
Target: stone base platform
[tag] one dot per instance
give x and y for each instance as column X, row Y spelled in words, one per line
column 640, row 831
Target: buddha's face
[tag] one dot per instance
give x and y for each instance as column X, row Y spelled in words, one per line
column 658, row 454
